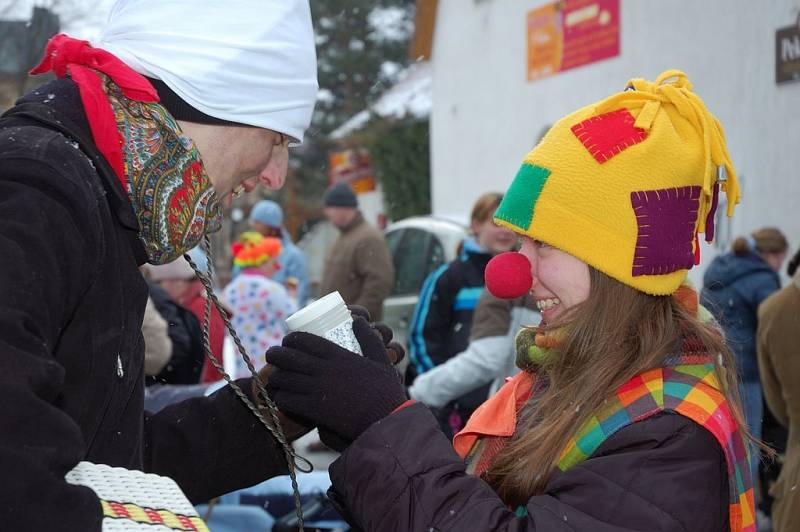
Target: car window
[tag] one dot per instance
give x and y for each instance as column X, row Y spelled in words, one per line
column 393, row 239
column 415, row 255
column 435, row 256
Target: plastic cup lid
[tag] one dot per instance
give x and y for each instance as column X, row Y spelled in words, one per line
column 316, row 309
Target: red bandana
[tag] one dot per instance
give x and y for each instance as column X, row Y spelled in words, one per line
column 65, row 55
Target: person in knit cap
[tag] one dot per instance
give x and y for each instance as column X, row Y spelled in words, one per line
column 128, row 157
column 266, row 217
column 259, row 304
column 358, row 264
column 626, row 414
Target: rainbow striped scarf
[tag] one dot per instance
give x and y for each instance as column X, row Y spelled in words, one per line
column 687, row 385
column 689, row 388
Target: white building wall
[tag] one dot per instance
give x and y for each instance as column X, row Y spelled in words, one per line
column 486, row 115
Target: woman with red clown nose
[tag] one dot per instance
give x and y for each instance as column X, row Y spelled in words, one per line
column 625, row 415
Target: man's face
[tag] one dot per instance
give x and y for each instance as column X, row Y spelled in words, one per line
column 339, row 216
column 237, row 159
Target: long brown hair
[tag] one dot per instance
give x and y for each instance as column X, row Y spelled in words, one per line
column 617, row 333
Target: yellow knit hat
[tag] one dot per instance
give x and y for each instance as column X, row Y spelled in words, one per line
column 626, row 184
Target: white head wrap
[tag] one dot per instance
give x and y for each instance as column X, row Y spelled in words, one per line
column 251, row 62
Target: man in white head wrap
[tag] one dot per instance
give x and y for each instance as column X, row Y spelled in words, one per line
column 98, row 177
column 238, row 62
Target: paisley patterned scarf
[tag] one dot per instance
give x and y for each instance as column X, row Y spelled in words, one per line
column 168, row 187
column 157, row 164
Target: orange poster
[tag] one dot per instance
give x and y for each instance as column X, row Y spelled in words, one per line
column 571, row 33
column 353, row 166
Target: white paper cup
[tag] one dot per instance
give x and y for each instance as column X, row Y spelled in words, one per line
column 329, row 318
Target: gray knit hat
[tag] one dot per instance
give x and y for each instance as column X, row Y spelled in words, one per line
column 340, row 195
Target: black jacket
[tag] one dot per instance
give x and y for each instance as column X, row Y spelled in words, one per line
column 71, row 351
column 186, row 362
column 443, row 316
column 665, row 473
column 442, row 322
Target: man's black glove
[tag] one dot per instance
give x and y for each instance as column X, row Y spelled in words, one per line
column 339, row 391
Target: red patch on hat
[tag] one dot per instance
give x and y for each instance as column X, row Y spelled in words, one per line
column 608, row 134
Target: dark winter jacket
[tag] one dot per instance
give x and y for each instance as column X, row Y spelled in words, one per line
column 440, row 328
column 71, row 351
column 733, row 288
column 186, row 363
column 665, row 473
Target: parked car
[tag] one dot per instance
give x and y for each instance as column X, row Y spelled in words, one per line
column 418, row 245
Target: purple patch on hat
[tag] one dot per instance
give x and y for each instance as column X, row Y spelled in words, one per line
column 712, row 212
column 666, row 219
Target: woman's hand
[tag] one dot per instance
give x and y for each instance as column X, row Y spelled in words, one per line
column 339, row 391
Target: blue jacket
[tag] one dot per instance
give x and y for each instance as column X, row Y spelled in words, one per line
column 733, row 288
column 293, row 264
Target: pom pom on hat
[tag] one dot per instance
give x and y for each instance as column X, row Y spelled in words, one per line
column 508, row 275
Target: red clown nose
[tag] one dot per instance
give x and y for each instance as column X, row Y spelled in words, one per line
column 508, row 275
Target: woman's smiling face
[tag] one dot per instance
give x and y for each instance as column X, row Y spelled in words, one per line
column 561, row 281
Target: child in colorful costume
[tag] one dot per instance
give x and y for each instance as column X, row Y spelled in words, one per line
column 260, row 305
column 626, row 416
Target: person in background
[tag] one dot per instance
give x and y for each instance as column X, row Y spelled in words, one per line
column 442, row 320
column 260, row 305
column 358, row 264
column 266, row 217
column 489, row 357
column 157, row 343
column 180, row 282
column 778, row 341
column 734, row 285
column 185, row 365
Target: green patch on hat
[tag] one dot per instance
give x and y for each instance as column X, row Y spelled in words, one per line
column 518, row 203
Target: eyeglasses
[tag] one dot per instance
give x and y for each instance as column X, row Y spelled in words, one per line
column 283, row 140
